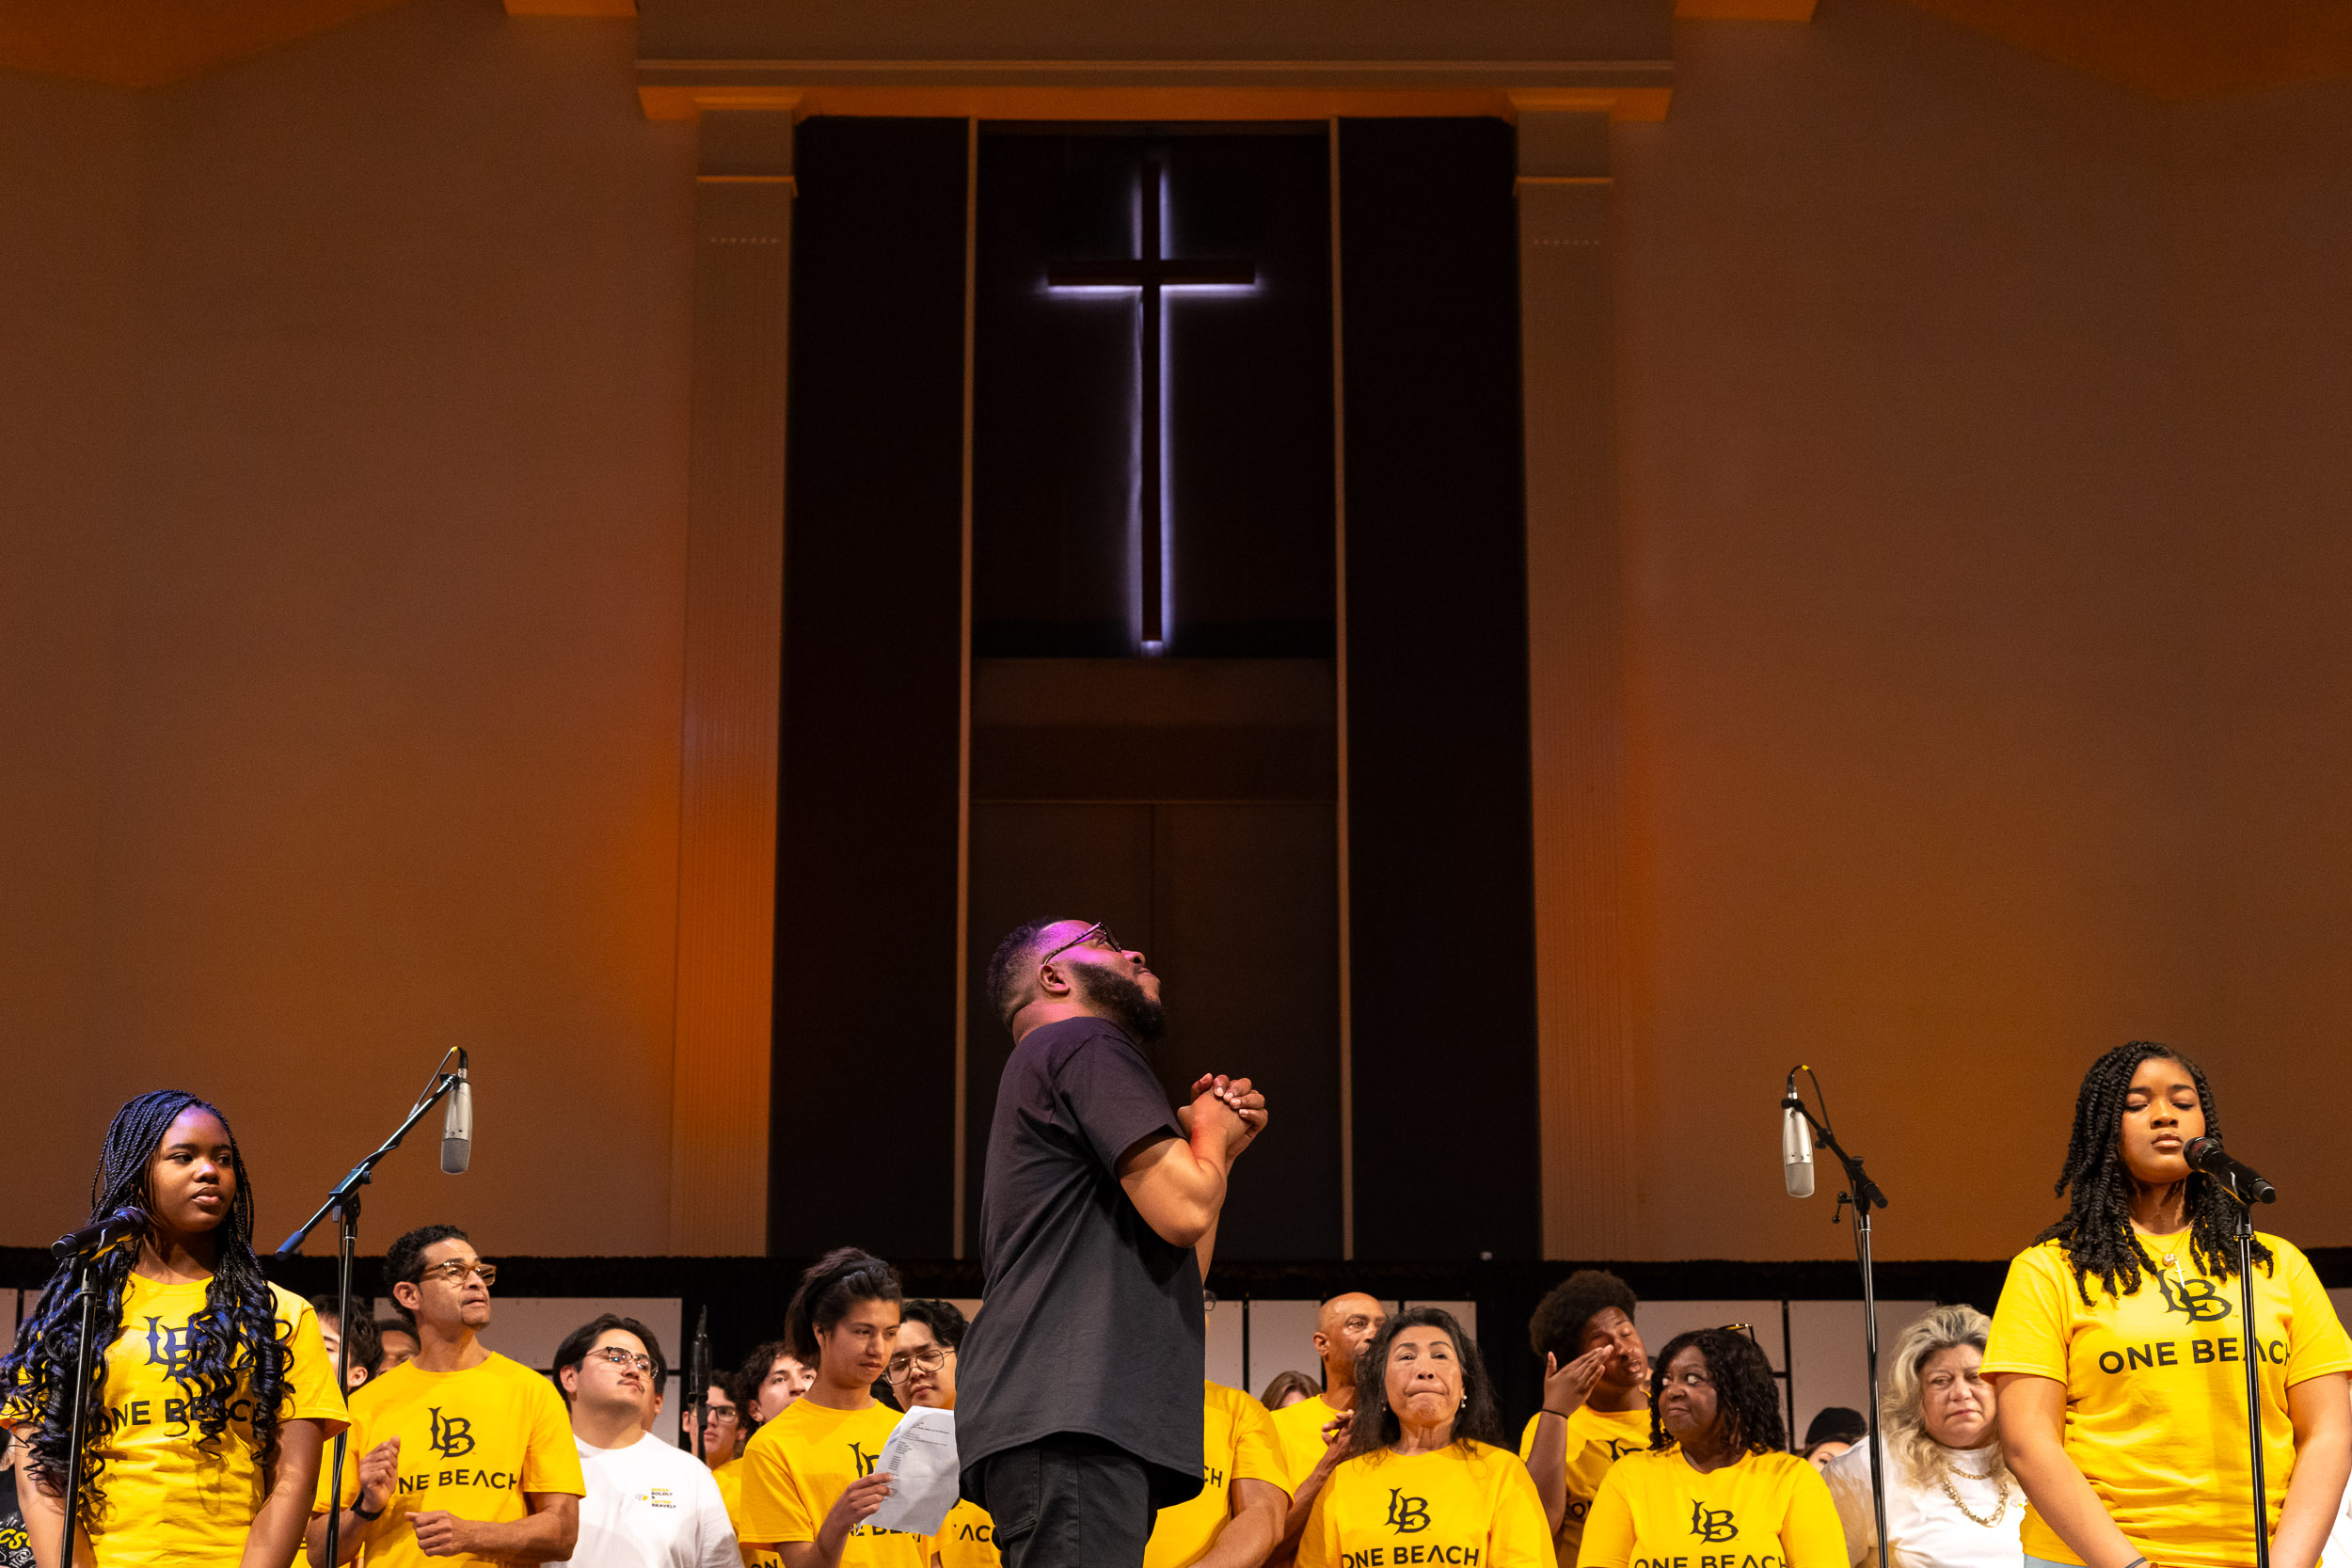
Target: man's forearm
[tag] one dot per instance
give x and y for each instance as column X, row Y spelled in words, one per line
column 1303, row 1504
column 807, row 1554
column 544, row 1537
column 1253, row 1532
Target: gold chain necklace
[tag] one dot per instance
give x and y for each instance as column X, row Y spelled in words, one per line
column 2000, row 1501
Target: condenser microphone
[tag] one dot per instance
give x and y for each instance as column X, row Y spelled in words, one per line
column 1796, row 1145
column 2206, row 1154
column 457, row 1124
column 96, row 1240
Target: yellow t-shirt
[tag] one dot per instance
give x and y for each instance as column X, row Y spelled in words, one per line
column 472, row 1443
column 1761, row 1511
column 1466, row 1507
column 1237, row 1443
column 2156, row 1392
column 169, row 1500
column 1299, row 1429
column 797, row 1466
column 730, row 1478
column 966, row 1539
column 1597, row 1440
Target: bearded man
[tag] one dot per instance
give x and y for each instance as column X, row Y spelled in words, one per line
column 1079, row 1414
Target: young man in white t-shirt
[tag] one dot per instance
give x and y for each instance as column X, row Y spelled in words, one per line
column 649, row 1502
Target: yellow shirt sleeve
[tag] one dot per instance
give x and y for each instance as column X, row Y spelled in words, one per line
column 1609, row 1527
column 1319, row 1548
column 355, row 1442
column 1811, row 1534
column 1520, row 1536
column 550, row 1458
column 2317, row 1345
column 2029, row 1326
column 1257, row 1447
column 774, row 1509
column 311, row 1393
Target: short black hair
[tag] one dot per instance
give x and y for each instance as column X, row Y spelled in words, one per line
column 361, row 1335
column 1557, row 1329
column 944, row 1318
column 403, row 1262
column 580, row 1340
column 1835, row 1423
column 833, row 1285
column 1745, row 1398
column 1008, row 966
column 390, row 1325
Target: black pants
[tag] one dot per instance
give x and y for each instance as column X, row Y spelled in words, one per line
column 1068, row 1501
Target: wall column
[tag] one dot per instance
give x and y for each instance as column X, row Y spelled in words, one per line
column 734, row 669
column 1576, row 691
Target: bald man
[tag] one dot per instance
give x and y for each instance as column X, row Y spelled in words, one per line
column 1343, row 1330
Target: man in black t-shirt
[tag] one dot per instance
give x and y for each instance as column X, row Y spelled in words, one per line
column 1079, row 1411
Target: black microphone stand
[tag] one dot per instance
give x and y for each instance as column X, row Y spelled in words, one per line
column 1864, row 1196
column 698, row 1369
column 80, row 1277
column 344, row 1202
column 2253, row 1356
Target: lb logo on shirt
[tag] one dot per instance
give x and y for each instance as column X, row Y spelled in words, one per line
column 2199, row 1301
column 865, row 1462
column 1618, row 1449
column 1406, row 1516
column 1712, row 1523
column 168, row 1348
column 452, row 1435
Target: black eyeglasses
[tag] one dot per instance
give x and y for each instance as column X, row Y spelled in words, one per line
column 931, row 1358
column 1089, row 934
column 619, row 1357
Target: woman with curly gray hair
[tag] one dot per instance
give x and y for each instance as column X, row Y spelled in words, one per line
column 1950, row 1499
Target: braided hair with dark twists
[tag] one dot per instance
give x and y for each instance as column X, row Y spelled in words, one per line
column 234, row 1355
column 2096, row 1231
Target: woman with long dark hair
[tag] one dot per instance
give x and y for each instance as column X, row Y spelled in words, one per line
column 1425, row 1467
column 2116, row 1348
column 810, row 1477
column 211, row 1392
column 1717, row 1481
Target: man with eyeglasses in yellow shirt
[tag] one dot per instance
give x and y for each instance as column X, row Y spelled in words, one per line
column 461, row 1455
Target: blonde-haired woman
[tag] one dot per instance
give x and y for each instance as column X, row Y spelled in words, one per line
column 1950, row 1499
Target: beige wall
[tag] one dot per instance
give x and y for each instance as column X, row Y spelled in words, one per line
column 348, row 706
column 1983, row 473
column 1983, row 441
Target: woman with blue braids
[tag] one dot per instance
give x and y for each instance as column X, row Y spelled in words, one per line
column 212, row 1392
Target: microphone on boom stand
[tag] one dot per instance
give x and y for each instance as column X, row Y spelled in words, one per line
column 1796, row 1143
column 698, row 1374
column 2206, row 1154
column 343, row 1203
column 2245, row 1185
column 1797, row 1133
column 457, row 1123
column 94, row 1242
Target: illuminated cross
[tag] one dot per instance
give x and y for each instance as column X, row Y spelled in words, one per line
column 1148, row 274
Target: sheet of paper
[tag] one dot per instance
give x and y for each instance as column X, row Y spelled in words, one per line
column 920, row 1455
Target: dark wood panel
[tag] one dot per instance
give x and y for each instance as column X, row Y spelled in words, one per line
column 1442, row 917
column 1153, row 763
column 865, row 852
